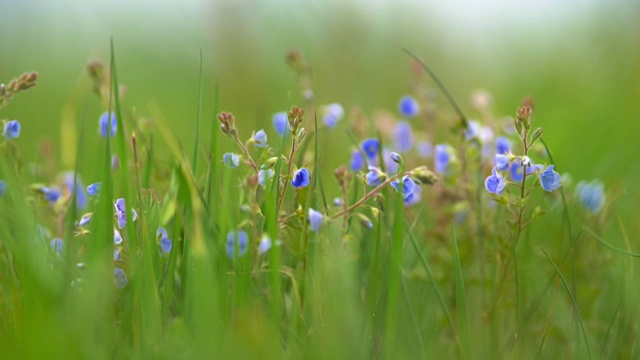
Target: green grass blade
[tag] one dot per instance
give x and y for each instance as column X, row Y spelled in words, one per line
column 461, row 300
column 194, row 164
column 603, row 242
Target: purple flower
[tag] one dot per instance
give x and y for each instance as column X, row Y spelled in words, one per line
column 502, row 145
column 121, row 214
column 84, row 220
column 315, row 219
column 120, row 278
column 357, row 161
column 495, row 183
column 163, row 239
column 502, row 162
column 104, row 124
column 442, row 158
column 408, row 106
column 408, row 186
column 374, row 176
column 281, row 123
column 334, row 112
column 549, row 179
column 300, row 178
column 260, row 139
column 591, row 194
column 370, row 147
column 94, row 189
column 117, row 237
column 11, row 130
column 117, row 254
column 238, row 238
column 403, row 136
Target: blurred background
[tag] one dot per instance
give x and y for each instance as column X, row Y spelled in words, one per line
column 579, row 60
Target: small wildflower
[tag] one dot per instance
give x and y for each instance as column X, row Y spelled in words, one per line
column 240, row 237
column 408, row 106
column 502, row 145
column 414, row 197
column 104, row 124
column 50, row 194
column 74, row 186
column 300, row 178
column 231, row 160
column 115, row 162
column 502, row 162
column 264, row 176
column 94, row 189
column 117, row 237
column 516, row 169
column 163, row 238
column 357, row 161
column 442, row 158
column 375, row 176
column 395, row 157
column 371, row 147
column 549, row 179
column 117, row 254
column 315, row 219
column 264, row 245
column 120, row 278
column 408, row 186
column 389, row 164
column 85, row 219
column 403, row 136
column 338, row 202
column 260, row 139
column 11, row 130
column 591, row 194
column 3, row 188
column 473, row 131
column 334, row 112
column 56, row 245
column 424, row 149
column 495, row 183
column 121, row 214
column 281, row 123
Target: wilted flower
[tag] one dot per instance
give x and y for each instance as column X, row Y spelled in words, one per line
column 408, row 106
column 241, row 239
column 315, row 219
column 591, row 194
column 120, row 278
column 403, row 136
column 495, row 183
column 11, row 130
column 281, row 123
column 104, row 124
column 300, row 178
column 549, row 179
column 333, row 113
column 231, row 160
column 260, row 139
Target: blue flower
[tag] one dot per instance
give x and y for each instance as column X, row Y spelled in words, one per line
column 117, row 254
column 338, row 202
column 424, row 149
column 75, row 186
column 357, row 161
column 403, row 136
column 231, row 160
column 104, row 124
column 389, row 164
column 495, row 183
column 84, row 220
column 281, row 123
column 502, row 162
column 414, row 197
column 371, row 147
column 408, row 106
column 120, row 278
column 94, row 189
column 3, row 188
column 408, row 186
column 241, row 239
column 334, row 112
column 121, row 214
column 50, row 194
column 315, row 219
column 395, row 157
column 117, row 237
column 502, row 145
column 11, row 129
column 473, row 131
column 516, row 169
column 591, row 194
column 163, row 238
column 442, row 158
column 374, row 176
column 300, row 178
column 260, row 139
column 264, row 176
column 549, row 179
column 264, row 245
column 56, row 245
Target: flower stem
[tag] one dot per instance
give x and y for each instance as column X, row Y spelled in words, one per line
column 366, row 197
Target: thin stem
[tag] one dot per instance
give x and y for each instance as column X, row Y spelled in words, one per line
column 246, row 153
column 366, row 197
column 289, row 163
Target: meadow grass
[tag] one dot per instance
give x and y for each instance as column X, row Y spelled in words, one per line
column 451, row 270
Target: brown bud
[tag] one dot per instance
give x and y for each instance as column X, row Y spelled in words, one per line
column 341, row 174
column 524, row 113
column 293, row 57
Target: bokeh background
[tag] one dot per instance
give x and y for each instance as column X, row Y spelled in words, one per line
column 579, row 60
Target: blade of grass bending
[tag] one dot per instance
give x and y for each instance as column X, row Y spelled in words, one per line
column 461, row 300
column 440, row 85
column 573, row 300
column 194, row 163
column 601, row 241
column 427, row 268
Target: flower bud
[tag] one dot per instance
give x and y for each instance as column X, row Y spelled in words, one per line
column 269, row 164
column 395, row 157
column 536, row 135
column 423, row 175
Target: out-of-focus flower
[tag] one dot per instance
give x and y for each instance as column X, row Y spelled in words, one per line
column 408, row 106
column 333, row 113
column 502, row 145
column 591, row 194
column 94, row 189
column 281, row 123
column 231, row 160
column 371, row 147
column 264, row 176
column 424, row 149
column 163, row 240
column 264, row 245
column 104, row 124
column 442, row 158
column 502, row 162
column 260, row 139
column 120, row 278
column 375, row 176
column 241, row 239
column 403, row 136
column 57, row 245
column 357, row 161
column 315, row 219
column 11, row 130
